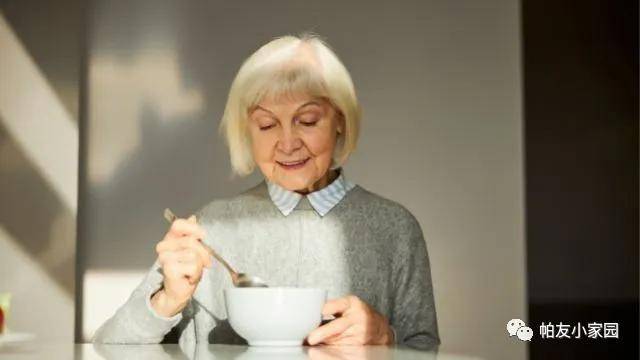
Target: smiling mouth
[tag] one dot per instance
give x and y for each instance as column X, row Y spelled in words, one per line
column 292, row 165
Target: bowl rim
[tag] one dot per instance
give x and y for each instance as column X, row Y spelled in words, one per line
column 274, row 289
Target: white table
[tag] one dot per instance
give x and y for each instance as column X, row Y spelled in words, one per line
column 38, row 350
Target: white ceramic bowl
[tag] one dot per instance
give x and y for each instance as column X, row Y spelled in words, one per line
column 274, row 316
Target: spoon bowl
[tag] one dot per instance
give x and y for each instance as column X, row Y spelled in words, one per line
column 244, row 280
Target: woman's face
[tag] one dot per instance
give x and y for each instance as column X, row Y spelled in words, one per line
column 293, row 140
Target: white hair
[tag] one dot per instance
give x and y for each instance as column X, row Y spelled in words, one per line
column 286, row 66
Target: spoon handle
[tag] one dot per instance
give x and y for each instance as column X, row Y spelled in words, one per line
column 171, row 217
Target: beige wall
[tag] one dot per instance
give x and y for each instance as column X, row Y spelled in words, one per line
column 39, row 68
column 443, row 136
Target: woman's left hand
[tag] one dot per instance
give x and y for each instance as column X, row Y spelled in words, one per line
column 356, row 323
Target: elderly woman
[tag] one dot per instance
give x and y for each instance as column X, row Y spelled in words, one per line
column 292, row 111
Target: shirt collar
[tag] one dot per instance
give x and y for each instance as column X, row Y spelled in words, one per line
column 322, row 200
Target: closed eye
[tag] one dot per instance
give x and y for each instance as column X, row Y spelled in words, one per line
column 308, row 120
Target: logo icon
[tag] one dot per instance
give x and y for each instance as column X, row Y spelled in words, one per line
column 525, row 333
column 517, row 327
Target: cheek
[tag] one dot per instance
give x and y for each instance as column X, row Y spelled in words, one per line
column 321, row 144
column 324, row 154
column 262, row 146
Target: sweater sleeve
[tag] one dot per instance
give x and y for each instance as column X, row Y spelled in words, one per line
column 136, row 322
column 414, row 314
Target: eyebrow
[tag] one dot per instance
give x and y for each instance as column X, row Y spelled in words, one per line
column 258, row 107
column 312, row 102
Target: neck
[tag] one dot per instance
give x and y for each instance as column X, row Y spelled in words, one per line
column 325, row 180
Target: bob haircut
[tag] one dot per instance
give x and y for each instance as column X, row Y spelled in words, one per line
column 287, row 66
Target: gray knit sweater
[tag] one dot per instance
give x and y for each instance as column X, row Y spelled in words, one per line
column 366, row 246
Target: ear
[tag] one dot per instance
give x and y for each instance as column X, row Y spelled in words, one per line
column 341, row 122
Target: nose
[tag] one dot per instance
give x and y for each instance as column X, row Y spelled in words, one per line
column 289, row 141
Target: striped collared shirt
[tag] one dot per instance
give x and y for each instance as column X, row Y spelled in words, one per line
column 322, row 200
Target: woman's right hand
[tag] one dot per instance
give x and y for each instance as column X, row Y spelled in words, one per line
column 182, row 257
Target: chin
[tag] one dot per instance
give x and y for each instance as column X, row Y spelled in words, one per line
column 293, row 180
column 295, row 184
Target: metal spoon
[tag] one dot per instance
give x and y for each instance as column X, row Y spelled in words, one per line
column 238, row 279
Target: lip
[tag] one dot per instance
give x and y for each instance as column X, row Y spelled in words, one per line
column 293, row 165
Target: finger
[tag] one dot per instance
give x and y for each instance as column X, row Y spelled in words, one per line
column 186, row 242
column 191, row 271
column 173, row 269
column 343, row 340
column 165, row 257
column 167, row 244
column 332, row 340
column 189, row 242
column 188, row 255
column 178, row 230
column 333, row 328
column 182, row 227
column 336, row 306
column 173, row 242
column 353, row 335
column 348, row 333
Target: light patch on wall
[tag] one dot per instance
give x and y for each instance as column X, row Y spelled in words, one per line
column 104, row 292
column 36, row 119
column 150, row 84
column 33, row 292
